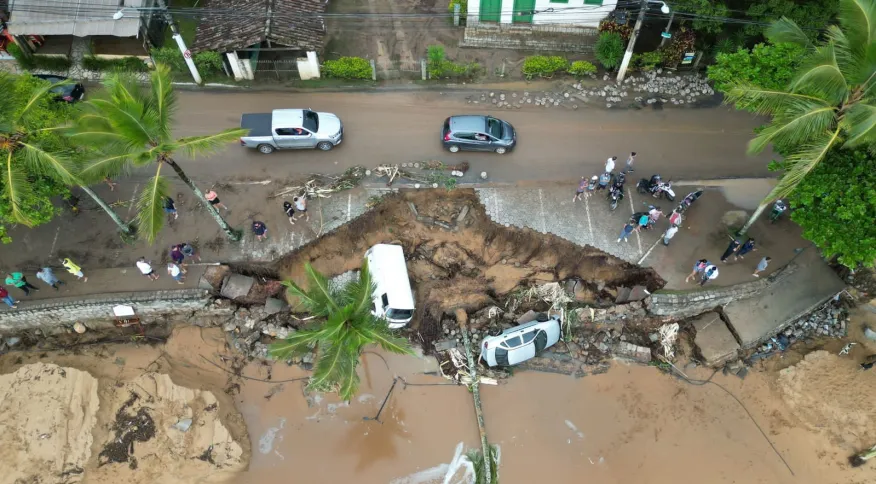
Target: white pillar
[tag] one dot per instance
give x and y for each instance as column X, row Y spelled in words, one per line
column 234, row 61
column 246, row 69
column 187, row 55
column 507, row 13
column 314, row 64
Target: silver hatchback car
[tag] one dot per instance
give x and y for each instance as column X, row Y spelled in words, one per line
column 520, row 343
column 478, row 133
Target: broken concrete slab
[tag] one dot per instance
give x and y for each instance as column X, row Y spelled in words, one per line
column 623, row 295
column 714, row 340
column 638, row 293
column 236, row 286
column 445, row 345
column 274, row 305
column 528, row 316
column 759, row 317
column 642, row 354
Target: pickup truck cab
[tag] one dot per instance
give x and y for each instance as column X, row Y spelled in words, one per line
column 290, row 129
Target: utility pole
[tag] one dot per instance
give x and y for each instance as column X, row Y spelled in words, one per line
column 622, row 72
column 668, row 24
column 186, row 53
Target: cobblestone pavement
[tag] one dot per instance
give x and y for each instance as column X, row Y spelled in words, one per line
column 587, row 222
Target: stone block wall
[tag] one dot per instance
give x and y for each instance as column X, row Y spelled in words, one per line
column 684, row 304
column 150, row 306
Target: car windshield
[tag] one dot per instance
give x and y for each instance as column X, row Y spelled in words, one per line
column 311, row 121
column 494, row 127
column 399, row 313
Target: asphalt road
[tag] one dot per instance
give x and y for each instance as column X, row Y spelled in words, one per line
column 553, row 143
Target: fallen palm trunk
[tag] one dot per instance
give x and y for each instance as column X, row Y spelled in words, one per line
column 462, row 320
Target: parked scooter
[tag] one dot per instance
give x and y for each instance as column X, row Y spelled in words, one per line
column 778, row 209
column 656, row 187
column 688, row 200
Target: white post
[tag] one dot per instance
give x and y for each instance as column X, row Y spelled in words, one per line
column 456, row 9
column 668, row 25
column 622, row 72
column 246, row 68
column 235, row 65
column 187, row 55
column 314, row 64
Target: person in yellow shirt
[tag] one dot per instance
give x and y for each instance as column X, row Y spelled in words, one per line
column 74, row 269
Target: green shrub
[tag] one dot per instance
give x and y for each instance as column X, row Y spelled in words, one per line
column 348, row 68
column 463, row 7
column 609, row 49
column 208, row 62
column 581, row 69
column 543, row 66
column 169, row 56
column 608, row 25
column 683, row 41
column 125, row 64
column 647, row 61
column 38, row 62
column 440, row 68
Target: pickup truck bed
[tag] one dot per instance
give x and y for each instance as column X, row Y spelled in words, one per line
column 257, row 124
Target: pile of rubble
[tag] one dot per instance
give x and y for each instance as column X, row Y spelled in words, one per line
column 645, row 89
column 247, row 326
column 830, row 320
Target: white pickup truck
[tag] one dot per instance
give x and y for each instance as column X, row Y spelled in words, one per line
column 290, row 129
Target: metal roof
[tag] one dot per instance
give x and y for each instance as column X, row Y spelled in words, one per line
column 470, row 122
column 287, row 118
column 81, row 18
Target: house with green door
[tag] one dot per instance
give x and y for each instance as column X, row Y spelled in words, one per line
column 535, row 24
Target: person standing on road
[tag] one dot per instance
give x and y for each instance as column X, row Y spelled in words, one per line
column 630, row 160
column 176, row 273
column 290, row 211
column 626, row 232
column 762, row 265
column 609, row 164
column 146, row 269
column 189, row 251
column 48, row 276
column 170, row 208
column 18, row 280
column 301, row 206
column 747, row 247
column 260, row 230
column 669, row 234
column 580, row 191
column 709, row 274
column 74, row 269
column 213, row 198
column 176, row 254
column 4, row 295
column 698, row 267
column 734, row 244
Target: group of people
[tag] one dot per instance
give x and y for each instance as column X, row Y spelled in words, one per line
column 19, row 281
column 297, row 205
column 586, row 186
column 705, row 271
column 176, row 268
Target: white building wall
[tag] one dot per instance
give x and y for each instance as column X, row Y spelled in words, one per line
column 576, row 12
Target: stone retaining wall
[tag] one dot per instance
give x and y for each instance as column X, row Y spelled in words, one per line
column 684, row 304
column 150, row 306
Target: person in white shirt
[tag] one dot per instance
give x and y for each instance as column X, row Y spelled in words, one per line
column 609, row 164
column 146, row 269
column 176, row 273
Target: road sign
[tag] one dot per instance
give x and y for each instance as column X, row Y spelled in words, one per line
column 666, row 35
column 187, row 54
column 688, row 57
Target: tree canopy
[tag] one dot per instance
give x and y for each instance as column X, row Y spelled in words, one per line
column 835, row 204
column 35, row 156
column 770, row 66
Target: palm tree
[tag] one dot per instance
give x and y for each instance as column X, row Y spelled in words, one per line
column 133, row 127
column 26, row 151
column 830, row 103
column 346, row 326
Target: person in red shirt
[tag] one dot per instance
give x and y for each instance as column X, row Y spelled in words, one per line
column 4, row 295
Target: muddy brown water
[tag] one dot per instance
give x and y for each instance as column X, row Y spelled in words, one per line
column 632, row 423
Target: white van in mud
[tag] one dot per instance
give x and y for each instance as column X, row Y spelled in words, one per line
column 393, row 298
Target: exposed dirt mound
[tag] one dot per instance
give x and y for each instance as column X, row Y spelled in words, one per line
column 47, row 414
column 832, row 394
column 458, row 257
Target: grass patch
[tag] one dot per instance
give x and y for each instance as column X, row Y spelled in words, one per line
column 187, row 25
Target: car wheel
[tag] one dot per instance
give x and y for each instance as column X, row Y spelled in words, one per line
column 453, row 148
column 325, row 146
column 266, row 149
column 501, row 150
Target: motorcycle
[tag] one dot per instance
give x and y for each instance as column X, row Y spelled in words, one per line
column 656, row 187
column 778, row 209
column 688, row 200
column 616, row 192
